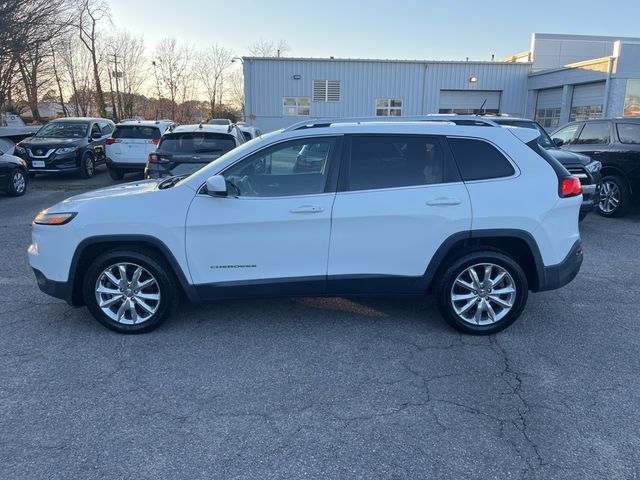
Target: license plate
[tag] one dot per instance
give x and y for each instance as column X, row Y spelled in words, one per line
column 38, row 163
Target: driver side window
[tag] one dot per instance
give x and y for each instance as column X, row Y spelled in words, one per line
column 297, row 167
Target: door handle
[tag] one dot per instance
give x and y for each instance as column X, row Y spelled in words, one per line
column 307, row 209
column 443, row 202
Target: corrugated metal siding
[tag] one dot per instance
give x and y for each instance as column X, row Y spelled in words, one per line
column 469, row 99
column 418, row 84
column 550, row 98
column 589, row 94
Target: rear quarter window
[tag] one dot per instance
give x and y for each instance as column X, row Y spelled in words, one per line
column 479, row 160
column 137, row 131
column 629, row 133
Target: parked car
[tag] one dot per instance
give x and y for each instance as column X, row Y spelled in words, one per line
column 67, row 145
column 14, row 175
column 249, row 132
column 220, row 121
column 189, row 147
column 579, row 165
column 479, row 216
column 128, row 148
column 615, row 142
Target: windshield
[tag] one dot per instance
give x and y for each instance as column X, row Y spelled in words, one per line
column 197, row 142
column 544, row 140
column 64, row 130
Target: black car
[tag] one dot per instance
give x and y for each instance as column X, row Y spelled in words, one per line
column 67, row 145
column 13, row 175
column 581, row 166
column 615, row 142
column 188, row 148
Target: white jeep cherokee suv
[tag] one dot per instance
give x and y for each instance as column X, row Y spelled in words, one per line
column 479, row 216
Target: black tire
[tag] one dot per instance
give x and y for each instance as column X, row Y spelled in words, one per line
column 445, row 291
column 167, row 287
column 622, row 193
column 18, row 181
column 87, row 165
column 116, row 174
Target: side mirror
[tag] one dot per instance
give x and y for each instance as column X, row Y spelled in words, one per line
column 217, row 186
column 558, row 141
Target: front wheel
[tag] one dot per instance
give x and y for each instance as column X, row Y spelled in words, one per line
column 18, row 182
column 129, row 291
column 614, row 196
column 87, row 166
column 482, row 292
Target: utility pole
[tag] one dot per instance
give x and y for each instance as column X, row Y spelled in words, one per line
column 117, row 75
column 113, row 100
column 155, row 71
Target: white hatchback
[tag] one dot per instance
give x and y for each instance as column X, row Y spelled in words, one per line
column 129, row 146
column 478, row 216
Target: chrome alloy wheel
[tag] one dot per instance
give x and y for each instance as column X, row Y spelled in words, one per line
column 127, row 293
column 609, row 196
column 483, row 294
column 19, row 182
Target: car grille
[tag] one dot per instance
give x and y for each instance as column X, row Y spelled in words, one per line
column 581, row 173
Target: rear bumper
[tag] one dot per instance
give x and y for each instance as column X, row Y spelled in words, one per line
column 590, row 197
column 61, row 290
column 556, row 276
column 125, row 167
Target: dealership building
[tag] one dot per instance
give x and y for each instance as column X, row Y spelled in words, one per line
column 559, row 79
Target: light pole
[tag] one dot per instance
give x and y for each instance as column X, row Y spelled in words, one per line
column 155, row 71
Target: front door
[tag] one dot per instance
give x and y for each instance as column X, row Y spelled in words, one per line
column 271, row 233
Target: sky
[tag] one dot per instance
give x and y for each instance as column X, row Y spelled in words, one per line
column 399, row 29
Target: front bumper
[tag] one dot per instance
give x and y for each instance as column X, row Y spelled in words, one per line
column 67, row 162
column 61, row 290
column 556, row 276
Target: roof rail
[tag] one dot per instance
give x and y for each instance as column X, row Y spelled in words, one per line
column 456, row 119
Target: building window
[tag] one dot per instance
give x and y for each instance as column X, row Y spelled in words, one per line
column 632, row 99
column 469, row 111
column 326, row 90
column 296, row 106
column 548, row 117
column 388, row 107
column 585, row 112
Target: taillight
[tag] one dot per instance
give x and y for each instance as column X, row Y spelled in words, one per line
column 570, row 187
column 110, row 141
column 155, row 141
column 155, row 158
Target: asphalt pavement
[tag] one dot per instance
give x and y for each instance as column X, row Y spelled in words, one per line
column 322, row 388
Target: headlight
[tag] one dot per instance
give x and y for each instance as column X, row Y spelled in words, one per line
column 54, row 218
column 18, row 149
column 594, row 167
column 66, row 150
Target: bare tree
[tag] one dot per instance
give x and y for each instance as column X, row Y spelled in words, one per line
column 236, row 90
column 213, row 63
column 269, row 48
column 91, row 14
column 173, row 62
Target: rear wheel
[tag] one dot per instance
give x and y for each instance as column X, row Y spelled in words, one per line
column 482, row 292
column 87, row 166
column 614, row 196
column 116, row 174
column 18, row 181
column 129, row 291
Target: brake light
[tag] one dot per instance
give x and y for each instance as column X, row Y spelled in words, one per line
column 155, row 158
column 155, row 141
column 570, row 187
column 110, row 141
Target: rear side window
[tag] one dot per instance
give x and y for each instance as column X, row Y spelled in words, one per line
column 247, row 136
column 629, row 133
column 594, row 133
column 137, row 131
column 197, row 142
column 479, row 160
column 398, row 161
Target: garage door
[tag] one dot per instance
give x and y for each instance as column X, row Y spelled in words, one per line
column 587, row 101
column 469, row 101
column 548, row 107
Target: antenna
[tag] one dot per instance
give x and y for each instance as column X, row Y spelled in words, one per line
column 481, row 109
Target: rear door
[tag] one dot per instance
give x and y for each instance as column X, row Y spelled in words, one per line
column 593, row 140
column 400, row 198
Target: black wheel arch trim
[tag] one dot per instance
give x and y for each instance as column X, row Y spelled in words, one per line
column 125, row 239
